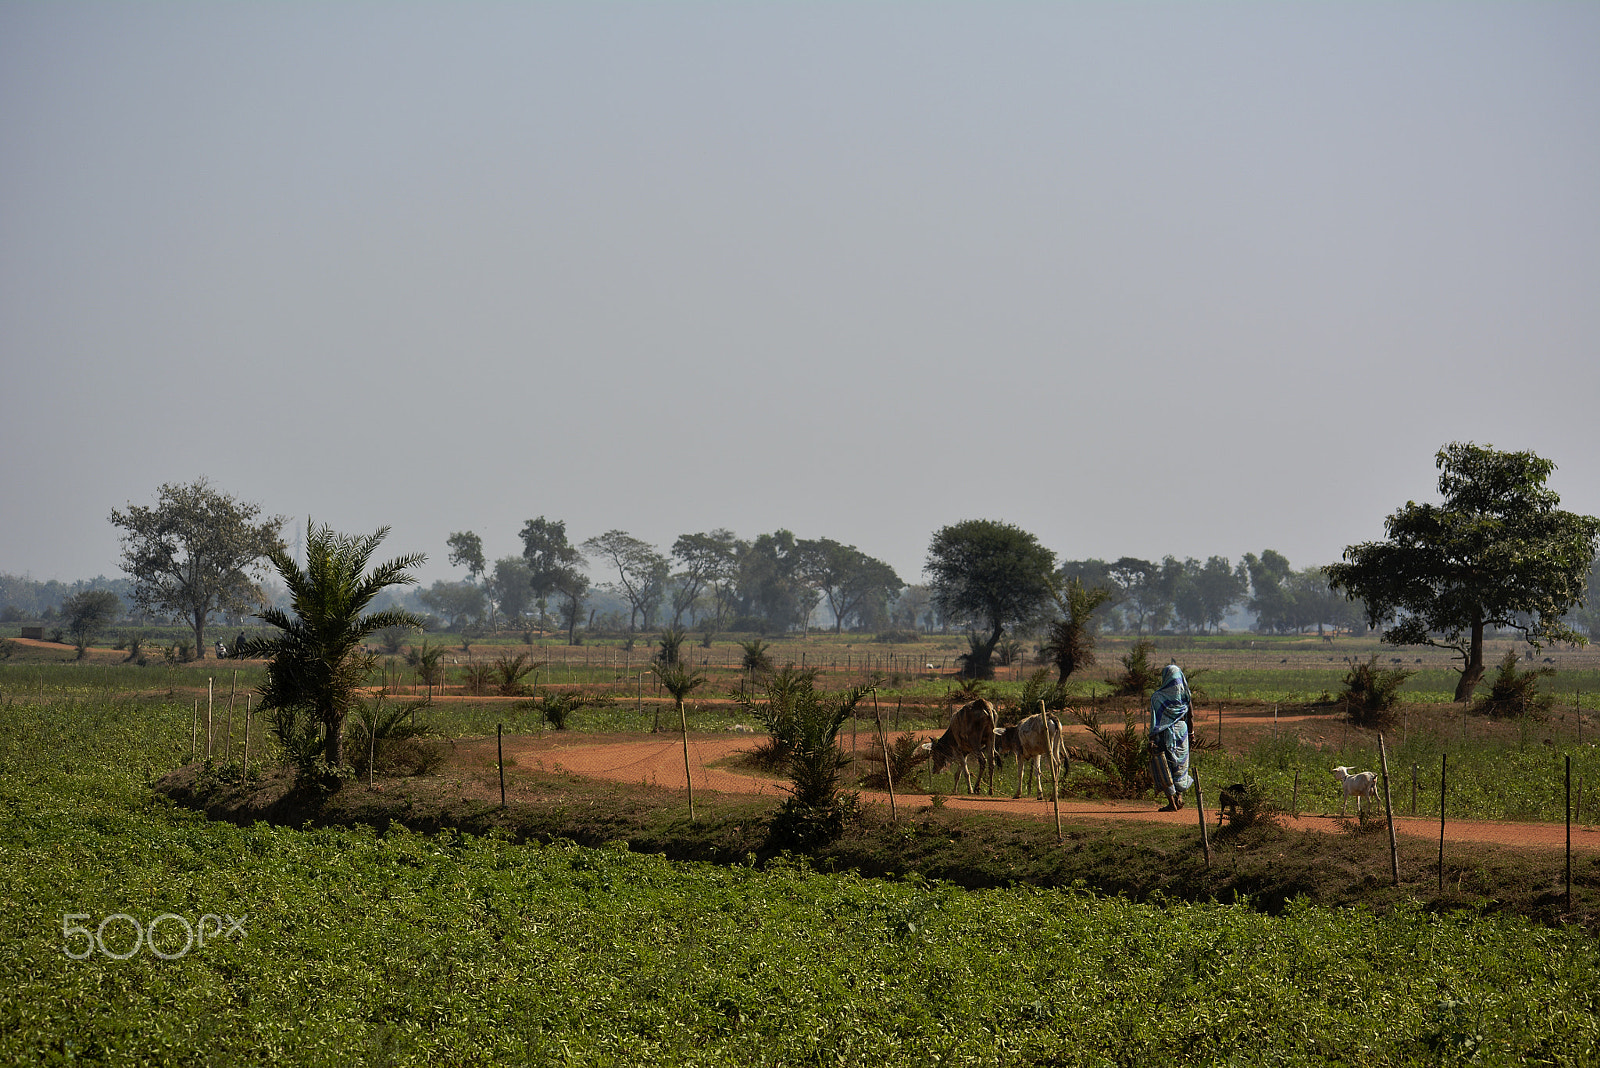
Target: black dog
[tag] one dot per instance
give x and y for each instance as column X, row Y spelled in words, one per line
column 1230, row 800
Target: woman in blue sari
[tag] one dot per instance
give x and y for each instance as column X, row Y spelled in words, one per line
column 1169, row 738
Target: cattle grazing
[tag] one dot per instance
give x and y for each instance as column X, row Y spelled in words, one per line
column 971, row 731
column 1229, row 801
column 1035, row 737
column 1358, row 785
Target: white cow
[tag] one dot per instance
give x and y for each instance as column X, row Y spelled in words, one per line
column 1036, row 737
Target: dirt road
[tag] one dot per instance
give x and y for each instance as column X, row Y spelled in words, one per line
column 657, row 760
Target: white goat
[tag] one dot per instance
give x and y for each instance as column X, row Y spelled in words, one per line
column 1357, row 785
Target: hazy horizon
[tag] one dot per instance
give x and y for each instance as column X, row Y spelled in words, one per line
column 1142, row 279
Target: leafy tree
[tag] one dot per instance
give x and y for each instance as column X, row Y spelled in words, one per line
column 1070, row 642
column 510, row 586
column 466, row 550
column 316, row 661
column 573, row 586
column 1207, row 592
column 555, row 567
column 1147, row 590
column 769, row 584
column 913, row 608
column 849, row 578
column 1271, row 598
column 194, row 553
column 641, row 572
column 88, row 613
column 708, row 562
column 992, row 574
column 458, row 602
column 1497, row 552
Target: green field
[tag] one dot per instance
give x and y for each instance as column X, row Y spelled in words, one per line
column 355, row 947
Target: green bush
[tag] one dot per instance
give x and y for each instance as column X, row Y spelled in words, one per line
column 1371, row 693
column 1140, row 677
column 1513, row 692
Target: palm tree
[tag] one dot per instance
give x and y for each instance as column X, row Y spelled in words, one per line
column 317, row 661
column 680, row 682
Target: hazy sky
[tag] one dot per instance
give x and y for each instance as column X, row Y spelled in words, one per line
column 1142, row 279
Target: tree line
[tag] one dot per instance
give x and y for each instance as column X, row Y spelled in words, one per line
column 1497, row 553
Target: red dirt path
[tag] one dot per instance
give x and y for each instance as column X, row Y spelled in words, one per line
column 657, row 760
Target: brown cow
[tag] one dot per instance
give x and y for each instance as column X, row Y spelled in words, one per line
column 971, row 731
column 1037, row 736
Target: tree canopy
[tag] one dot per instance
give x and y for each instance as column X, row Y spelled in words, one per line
column 88, row 613
column 853, row 582
column 988, row 574
column 195, row 553
column 641, row 572
column 466, row 550
column 554, row 566
column 1497, row 552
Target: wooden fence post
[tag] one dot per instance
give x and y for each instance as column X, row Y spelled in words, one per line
column 500, row 760
column 1388, row 812
column 1444, row 775
column 1200, row 810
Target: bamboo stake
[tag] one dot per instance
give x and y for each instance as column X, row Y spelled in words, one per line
column 210, row 734
column 247, row 736
column 500, row 758
column 1388, row 811
column 1569, row 832
column 194, row 734
column 227, row 748
column 888, row 777
column 1200, row 811
column 1444, row 769
column 1051, row 744
column 688, row 776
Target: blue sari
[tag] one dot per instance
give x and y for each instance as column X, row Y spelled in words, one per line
column 1169, row 734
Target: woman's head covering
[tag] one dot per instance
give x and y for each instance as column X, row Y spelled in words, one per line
column 1172, row 680
column 1169, row 703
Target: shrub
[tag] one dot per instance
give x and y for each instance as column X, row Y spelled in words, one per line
column 478, row 679
column 427, row 662
column 776, row 713
column 1253, row 806
column 817, row 811
column 509, row 672
column 755, row 656
column 1123, row 757
column 398, row 744
column 906, row 756
column 1513, row 692
column 671, row 644
column 1139, row 678
column 898, row 637
column 1039, row 689
column 392, row 639
column 1371, row 692
column 556, row 708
